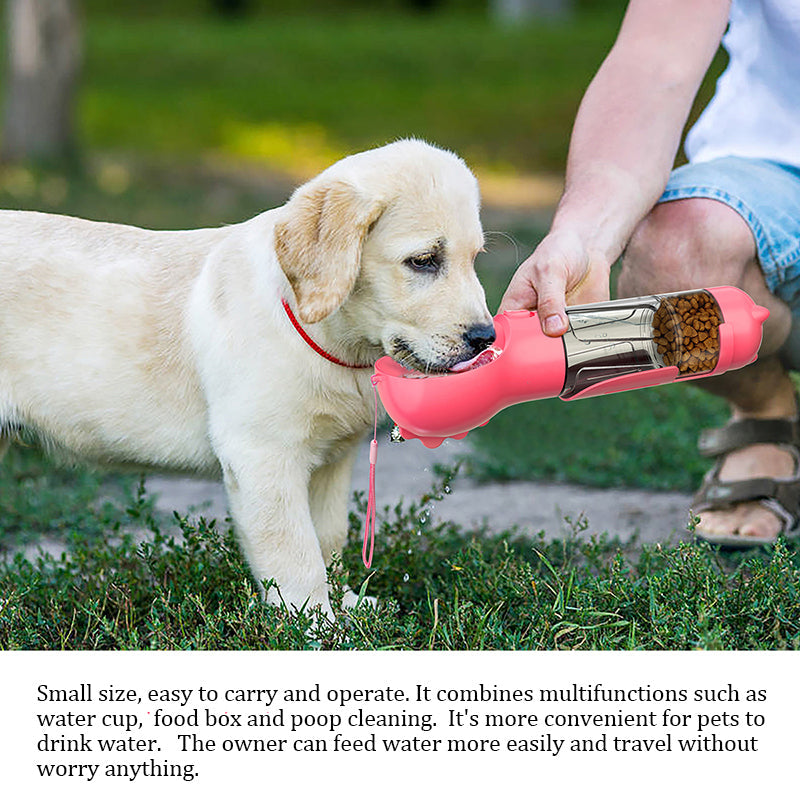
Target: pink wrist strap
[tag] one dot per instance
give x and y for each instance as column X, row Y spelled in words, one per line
column 369, row 526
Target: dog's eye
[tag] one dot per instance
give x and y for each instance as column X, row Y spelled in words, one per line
column 425, row 262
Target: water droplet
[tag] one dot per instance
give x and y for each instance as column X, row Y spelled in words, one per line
column 406, row 578
column 447, row 488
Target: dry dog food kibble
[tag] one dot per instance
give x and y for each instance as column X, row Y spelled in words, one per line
column 686, row 331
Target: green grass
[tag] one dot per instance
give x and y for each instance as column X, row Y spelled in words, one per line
column 439, row 587
column 41, row 498
column 144, row 191
column 294, row 90
column 646, row 438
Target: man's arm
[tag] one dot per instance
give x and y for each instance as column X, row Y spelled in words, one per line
column 623, row 145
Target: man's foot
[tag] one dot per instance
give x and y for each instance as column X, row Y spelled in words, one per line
column 750, row 521
column 753, row 492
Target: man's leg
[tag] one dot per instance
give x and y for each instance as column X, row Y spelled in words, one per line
column 695, row 243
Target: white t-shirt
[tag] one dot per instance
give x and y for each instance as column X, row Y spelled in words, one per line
column 755, row 111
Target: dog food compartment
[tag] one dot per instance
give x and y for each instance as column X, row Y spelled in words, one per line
column 686, row 332
column 611, row 340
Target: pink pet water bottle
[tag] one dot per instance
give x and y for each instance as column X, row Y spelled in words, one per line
column 609, row 347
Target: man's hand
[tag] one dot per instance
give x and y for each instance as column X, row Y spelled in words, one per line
column 561, row 270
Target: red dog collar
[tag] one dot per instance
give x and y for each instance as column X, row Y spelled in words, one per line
column 313, row 345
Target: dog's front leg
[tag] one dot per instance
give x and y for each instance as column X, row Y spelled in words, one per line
column 329, row 492
column 268, row 497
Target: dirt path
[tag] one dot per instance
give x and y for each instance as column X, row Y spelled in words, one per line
column 405, row 470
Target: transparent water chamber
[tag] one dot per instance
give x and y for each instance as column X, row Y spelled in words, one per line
column 623, row 337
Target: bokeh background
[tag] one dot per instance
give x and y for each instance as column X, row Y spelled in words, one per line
column 497, row 80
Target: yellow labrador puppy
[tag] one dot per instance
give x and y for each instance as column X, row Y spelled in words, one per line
column 246, row 351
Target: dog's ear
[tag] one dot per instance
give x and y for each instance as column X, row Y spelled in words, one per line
column 318, row 242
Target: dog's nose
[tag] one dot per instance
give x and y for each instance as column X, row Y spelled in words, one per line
column 479, row 337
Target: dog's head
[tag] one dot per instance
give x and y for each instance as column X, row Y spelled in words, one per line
column 386, row 240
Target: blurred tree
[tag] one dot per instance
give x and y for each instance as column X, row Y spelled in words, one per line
column 44, row 54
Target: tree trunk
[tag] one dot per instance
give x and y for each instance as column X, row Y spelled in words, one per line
column 44, row 50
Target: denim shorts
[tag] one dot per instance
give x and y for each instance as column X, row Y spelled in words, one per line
column 766, row 195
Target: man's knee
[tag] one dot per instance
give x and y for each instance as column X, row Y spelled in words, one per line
column 686, row 244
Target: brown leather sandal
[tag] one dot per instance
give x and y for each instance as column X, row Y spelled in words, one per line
column 780, row 495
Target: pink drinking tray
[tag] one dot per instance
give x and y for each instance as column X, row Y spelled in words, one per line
column 609, row 347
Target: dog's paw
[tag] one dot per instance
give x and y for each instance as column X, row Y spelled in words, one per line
column 352, row 600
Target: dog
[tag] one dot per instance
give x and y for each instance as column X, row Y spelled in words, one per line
column 246, row 351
